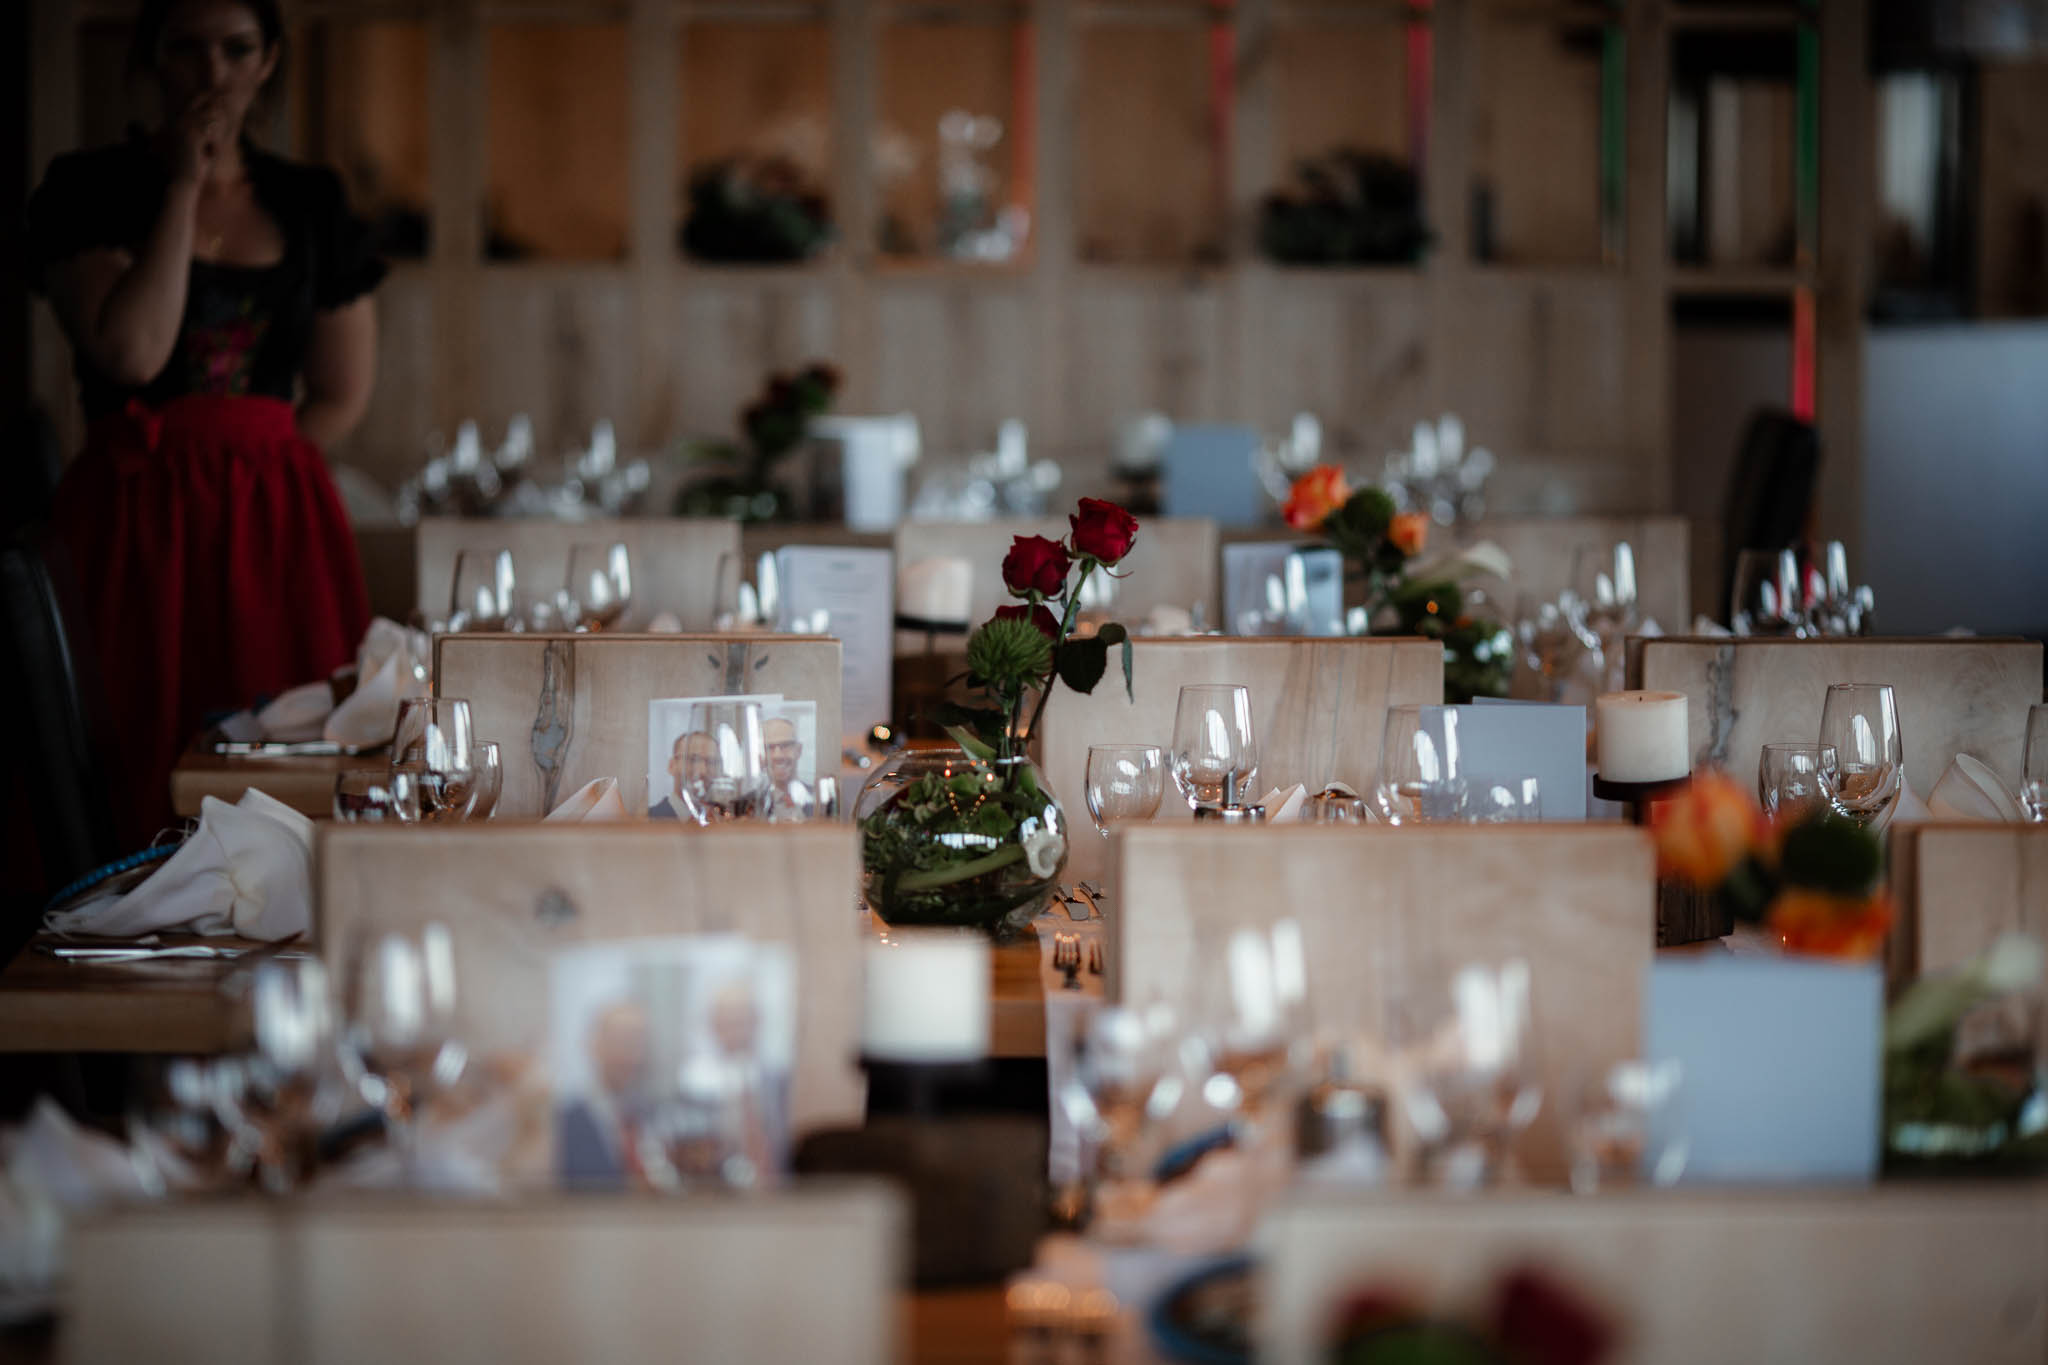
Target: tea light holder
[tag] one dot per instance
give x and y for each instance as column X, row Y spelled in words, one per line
column 1643, row 755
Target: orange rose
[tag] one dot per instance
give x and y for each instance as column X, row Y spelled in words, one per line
column 1314, row 496
column 1705, row 832
column 1409, row 532
column 1827, row 925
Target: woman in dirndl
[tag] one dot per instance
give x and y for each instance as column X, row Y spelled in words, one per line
column 217, row 302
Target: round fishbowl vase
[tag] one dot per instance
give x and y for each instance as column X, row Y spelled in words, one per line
column 950, row 840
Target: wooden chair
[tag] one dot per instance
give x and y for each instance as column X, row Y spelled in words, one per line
column 523, row 890
column 1388, row 908
column 1174, row 563
column 1543, row 549
column 516, row 683
column 805, row 1274
column 676, row 560
column 1318, row 709
column 1954, row 695
column 1959, row 887
column 1890, row 1276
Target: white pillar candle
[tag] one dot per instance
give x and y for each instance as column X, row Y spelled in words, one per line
column 1641, row 736
column 938, row 589
column 925, row 997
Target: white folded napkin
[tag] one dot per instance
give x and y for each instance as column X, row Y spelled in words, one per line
column 1285, row 803
column 665, row 623
column 370, row 714
column 1911, row 810
column 1971, row 791
column 247, row 870
column 597, row 799
column 297, row 713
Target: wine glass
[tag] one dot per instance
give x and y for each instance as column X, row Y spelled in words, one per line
column 1252, row 998
column 1767, row 596
column 1125, row 783
column 1502, row 800
column 1623, row 1129
column 1215, row 755
column 287, row 1090
column 724, row 761
column 180, row 1135
column 376, row 794
column 490, row 781
column 1419, row 780
column 795, row 801
column 1471, row 1068
column 1796, row 781
column 1116, row 1095
column 434, row 743
column 1860, row 721
column 483, row 596
column 399, row 998
column 2034, row 765
column 600, row 585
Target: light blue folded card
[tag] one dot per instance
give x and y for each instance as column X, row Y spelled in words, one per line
column 1781, row 1066
column 1211, row 471
column 1543, row 740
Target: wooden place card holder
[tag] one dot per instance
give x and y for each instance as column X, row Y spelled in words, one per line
column 1318, row 710
column 1174, row 563
column 677, row 561
column 807, row 1274
column 583, row 699
column 1386, row 912
column 1897, row 1275
column 515, row 892
column 1954, row 695
column 1959, row 886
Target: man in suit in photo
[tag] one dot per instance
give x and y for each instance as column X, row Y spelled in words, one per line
column 689, row 761
column 595, row 1131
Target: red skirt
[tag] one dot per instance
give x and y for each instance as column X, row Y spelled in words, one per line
column 215, row 566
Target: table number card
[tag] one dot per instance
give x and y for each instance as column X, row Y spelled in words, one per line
column 849, row 593
column 1543, row 740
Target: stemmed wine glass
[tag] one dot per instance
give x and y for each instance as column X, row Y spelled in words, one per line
column 1796, row 780
column 1215, row 755
column 288, row 1087
column 435, row 744
column 1419, row 781
column 483, row 597
column 599, row 587
column 725, row 763
column 399, row 999
column 1860, row 721
column 2034, row 765
column 1767, row 595
column 1125, row 783
column 490, row 781
column 374, row 794
column 1471, row 1066
column 1253, row 1003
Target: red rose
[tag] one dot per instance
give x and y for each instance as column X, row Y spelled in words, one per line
column 1037, row 613
column 1036, row 564
column 1103, row 531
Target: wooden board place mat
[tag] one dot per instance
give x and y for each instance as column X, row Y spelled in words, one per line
column 676, row 560
column 305, row 782
column 1959, row 886
column 603, row 684
column 804, row 1274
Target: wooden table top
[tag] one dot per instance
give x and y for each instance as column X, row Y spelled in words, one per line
column 304, row 783
column 48, row 1004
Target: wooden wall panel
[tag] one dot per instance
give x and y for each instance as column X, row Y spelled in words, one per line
column 392, row 442
column 959, row 357
column 558, row 348
column 1138, row 342
column 1959, row 886
column 1350, row 351
column 732, row 330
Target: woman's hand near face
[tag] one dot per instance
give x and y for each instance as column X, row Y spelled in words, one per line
column 197, row 138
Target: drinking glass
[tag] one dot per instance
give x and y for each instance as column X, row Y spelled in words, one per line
column 1116, row 1095
column 399, row 997
column 490, row 781
column 795, row 802
column 1766, row 593
column 1253, row 1014
column 600, row 585
column 1471, row 1065
column 181, row 1139
column 1622, row 1127
column 483, row 596
column 2034, row 765
column 288, row 1088
column 725, row 763
column 1419, row 780
column 1796, row 781
column 1215, row 755
column 1125, row 783
column 1860, row 721
column 374, row 794
column 435, row 743
column 1604, row 582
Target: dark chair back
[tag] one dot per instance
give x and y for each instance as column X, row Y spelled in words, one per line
column 61, row 781
column 1770, row 493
